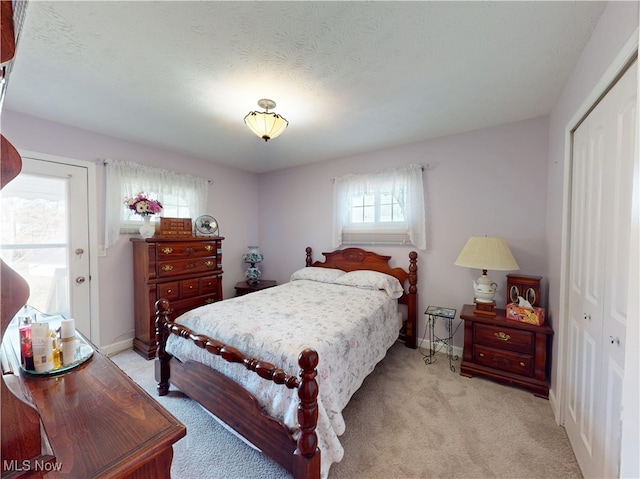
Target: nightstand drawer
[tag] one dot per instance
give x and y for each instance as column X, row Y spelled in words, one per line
column 184, row 305
column 168, row 269
column 190, row 288
column 209, row 285
column 504, row 338
column 169, row 291
column 507, row 361
column 186, row 250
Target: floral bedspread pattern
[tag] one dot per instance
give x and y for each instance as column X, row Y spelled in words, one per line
column 350, row 328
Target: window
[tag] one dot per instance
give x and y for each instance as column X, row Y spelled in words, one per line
column 182, row 196
column 380, row 208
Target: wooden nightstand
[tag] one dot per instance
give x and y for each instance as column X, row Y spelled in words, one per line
column 506, row 351
column 243, row 287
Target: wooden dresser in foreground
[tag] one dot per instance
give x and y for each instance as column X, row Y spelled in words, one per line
column 185, row 271
column 97, row 421
column 507, row 351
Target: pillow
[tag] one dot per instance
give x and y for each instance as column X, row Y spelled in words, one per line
column 313, row 273
column 372, row 280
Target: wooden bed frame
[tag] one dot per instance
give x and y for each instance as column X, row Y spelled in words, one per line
column 236, row 407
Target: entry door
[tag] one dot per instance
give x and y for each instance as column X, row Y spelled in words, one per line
column 603, row 155
column 45, row 237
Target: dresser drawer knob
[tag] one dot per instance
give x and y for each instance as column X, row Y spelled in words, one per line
column 167, row 267
column 208, row 247
column 481, row 355
column 169, row 291
column 191, row 287
column 209, row 263
column 522, row 364
column 167, row 250
column 502, row 336
column 209, row 301
column 189, row 250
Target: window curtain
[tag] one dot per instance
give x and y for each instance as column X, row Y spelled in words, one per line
column 126, row 179
column 406, row 186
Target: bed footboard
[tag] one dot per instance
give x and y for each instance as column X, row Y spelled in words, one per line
column 232, row 404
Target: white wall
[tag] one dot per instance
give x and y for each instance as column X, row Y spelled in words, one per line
column 233, row 197
column 486, row 182
column 489, row 181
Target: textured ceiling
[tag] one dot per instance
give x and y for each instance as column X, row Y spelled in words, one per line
column 348, row 76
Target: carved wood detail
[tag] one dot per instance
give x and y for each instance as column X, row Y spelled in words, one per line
column 239, row 409
column 234, row 405
column 230, row 354
column 7, row 34
column 23, row 444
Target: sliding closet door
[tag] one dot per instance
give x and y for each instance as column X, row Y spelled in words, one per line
column 603, row 154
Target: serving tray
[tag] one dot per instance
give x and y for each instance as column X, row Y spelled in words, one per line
column 85, row 352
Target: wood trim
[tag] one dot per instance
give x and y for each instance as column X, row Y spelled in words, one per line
column 237, row 407
column 354, row 259
column 7, row 32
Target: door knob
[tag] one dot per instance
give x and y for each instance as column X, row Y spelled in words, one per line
column 614, row 340
column 587, row 316
column 80, row 279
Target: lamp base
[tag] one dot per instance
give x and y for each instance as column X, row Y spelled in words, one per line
column 485, row 309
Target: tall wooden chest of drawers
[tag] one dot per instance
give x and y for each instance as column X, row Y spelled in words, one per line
column 507, row 351
column 186, row 271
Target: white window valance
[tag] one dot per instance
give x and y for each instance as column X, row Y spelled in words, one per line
column 126, row 179
column 355, row 192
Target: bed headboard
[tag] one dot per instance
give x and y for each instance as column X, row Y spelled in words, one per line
column 352, row 259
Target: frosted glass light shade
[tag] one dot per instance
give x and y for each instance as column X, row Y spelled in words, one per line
column 266, row 125
column 485, row 253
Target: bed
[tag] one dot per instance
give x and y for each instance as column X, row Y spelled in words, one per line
column 332, row 323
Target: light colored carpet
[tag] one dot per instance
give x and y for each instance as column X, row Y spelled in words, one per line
column 408, row 420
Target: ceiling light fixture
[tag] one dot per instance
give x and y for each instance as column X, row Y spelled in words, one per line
column 267, row 125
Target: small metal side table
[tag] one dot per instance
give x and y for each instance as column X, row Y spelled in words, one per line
column 435, row 343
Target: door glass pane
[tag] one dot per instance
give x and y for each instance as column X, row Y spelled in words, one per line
column 34, row 238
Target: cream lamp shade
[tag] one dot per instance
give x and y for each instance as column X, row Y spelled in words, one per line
column 266, row 125
column 486, row 253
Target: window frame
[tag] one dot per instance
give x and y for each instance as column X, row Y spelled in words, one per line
column 403, row 182
column 127, row 179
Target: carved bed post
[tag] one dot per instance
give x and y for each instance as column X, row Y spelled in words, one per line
column 307, row 454
column 162, row 371
column 412, row 302
column 309, row 261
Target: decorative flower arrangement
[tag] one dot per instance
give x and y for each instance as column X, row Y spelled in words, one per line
column 143, row 206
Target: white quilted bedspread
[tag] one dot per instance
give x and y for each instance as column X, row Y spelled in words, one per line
column 350, row 328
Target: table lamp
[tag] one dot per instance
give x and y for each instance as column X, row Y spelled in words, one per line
column 253, row 257
column 485, row 253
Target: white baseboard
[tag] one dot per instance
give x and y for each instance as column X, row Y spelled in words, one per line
column 424, row 344
column 115, row 348
column 554, row 405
